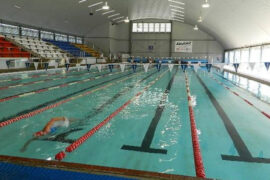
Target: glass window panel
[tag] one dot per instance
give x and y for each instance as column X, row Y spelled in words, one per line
column 226, row 57
column 237, row 56
column 61, row 37
column 157, row 27
column 168, row 27
column 266, row 54
column 9, row 29
column 29, row 32
column 255, row 54
column 72, row 39
column 231, row 57
column 162, row 27
column 244, row 55
column 140, row 27
column 151, row 27
column 134, row 27
column 79, row 40
column 46, row 35
column 145, row 27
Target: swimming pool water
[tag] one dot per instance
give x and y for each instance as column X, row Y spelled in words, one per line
column 233, row 135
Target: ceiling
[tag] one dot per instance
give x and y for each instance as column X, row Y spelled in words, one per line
column 235, row 23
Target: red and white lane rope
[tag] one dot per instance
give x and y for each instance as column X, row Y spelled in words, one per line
column 200, row 172
column 244, row 99
column 33, row 76
column 53, row 88
column 38, row 111
column 61, row 155
column 40, row 81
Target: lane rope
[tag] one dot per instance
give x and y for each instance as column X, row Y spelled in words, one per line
column 38, row 111
column 238, row 95
column 42, row 81
column 61, row 155
column 199, row 167
column 55, row 87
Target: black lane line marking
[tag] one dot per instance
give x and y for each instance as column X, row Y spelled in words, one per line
column 243, row 152
column 110, row 101
column 148, row 138
column 61, row 98
column 53, row 86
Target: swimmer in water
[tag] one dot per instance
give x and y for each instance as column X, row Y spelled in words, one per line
column 52, row 126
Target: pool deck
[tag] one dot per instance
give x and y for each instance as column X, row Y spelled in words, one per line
column 65, row 168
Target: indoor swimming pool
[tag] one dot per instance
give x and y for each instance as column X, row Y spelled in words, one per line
column 140, row 120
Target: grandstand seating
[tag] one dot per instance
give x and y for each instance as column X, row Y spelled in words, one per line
column 39, row 47
column 70, row 48
column 10, row 50
column 87, row 49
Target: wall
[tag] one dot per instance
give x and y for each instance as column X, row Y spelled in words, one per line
column 111, row 39
column 116, row 39
column 99, row 37
column 204, row 45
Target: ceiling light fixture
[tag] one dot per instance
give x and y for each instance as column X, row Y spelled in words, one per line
column 178, row 17
column 81, row 1
column 196, row 28
column 176, row 10
column 118, row 18
column 108, row 12
column 106, row 7
column 126, row 20
column 179, row 20
column 174, row 13
column 16, row 6
column 177, row 2
column 99, row 9
column 114, row 15
column 206, row 4
column 177, row 7
column 95, row 4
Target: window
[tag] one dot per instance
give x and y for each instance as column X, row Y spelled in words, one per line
column 140, row 27
column 237, row 56
column 46, row 35
column 244, row 55
column 145, row 27
column 255, row 54
column 9, row 29
column 61, row 37
column 266, row 54
column 79, row 40
column 134, row 27
column 72, row 39
column 231, row 57
column 29, row 32
column 227, row 57
column 151, row 27
column 156, row 27
column 162, row 27
column 168, row 27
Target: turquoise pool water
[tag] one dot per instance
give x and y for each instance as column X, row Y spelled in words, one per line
column 234, row 136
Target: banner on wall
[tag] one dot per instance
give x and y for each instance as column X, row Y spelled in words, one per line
column 183, row 46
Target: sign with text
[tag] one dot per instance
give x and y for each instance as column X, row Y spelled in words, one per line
column 183, row 46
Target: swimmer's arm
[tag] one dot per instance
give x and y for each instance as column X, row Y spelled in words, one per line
column 48, row 126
